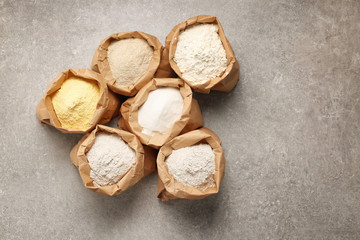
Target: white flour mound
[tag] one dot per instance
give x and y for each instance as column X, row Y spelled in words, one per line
column 109, row 159
column 129, row 59
column 161, row 110
column 200, row 54
column 193, row 166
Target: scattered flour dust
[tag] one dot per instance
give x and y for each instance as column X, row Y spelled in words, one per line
column 109, row 159
column 193, row 166
column 129, row 59
column 161, row 110
column 200, row 54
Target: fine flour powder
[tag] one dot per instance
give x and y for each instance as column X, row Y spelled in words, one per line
column 109, row 159
column 193, row 166
column 129, row 59
column 161, row 110
column 75, row 103
column 200, row 54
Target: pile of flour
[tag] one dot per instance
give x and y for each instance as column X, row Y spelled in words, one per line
column 75, row 102
column 109, row 159
column 200, row 54
column 161, row 110
column 193, row 166
column 129, row 59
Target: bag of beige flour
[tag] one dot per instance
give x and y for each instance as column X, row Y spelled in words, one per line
column 76, row 100
column 160, row 111
column 200, row 54
column 111, row 160
column 190, row 166
column 127, row 60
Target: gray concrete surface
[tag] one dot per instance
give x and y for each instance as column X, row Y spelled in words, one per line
column 290, row 128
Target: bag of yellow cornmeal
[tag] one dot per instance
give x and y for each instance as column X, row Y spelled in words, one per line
column 76, row 100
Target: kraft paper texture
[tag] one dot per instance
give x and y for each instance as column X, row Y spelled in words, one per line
column 164, row 70
column 106, row 108
column 226, row 82
column 168, row 187
column 145, row 161
column 191, row 117
column 100, row 62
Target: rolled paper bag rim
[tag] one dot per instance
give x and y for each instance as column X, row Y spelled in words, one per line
column 130, row 178
column 101, row 64
column 129, row 112
column 228, row 79
column 169, row 188
column 106, row 107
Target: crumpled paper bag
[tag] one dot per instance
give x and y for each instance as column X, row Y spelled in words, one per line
column 168, row 187
column 145, row 161
column 101, row 64
column 226, row 82
column 191, row 117
column 106, row 108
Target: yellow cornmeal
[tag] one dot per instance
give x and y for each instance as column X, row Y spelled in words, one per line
column 75, row 103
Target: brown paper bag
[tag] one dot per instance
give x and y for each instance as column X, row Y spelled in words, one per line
column 227, row 81
column 100, row 62
column 145, row 161
column 106, row 108
column 168, row 187
column 164, row 70
column 191, row 116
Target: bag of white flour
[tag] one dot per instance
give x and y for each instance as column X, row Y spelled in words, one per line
column 190, row 166
column 199, row 53
column 160, row 111
column 111, row 160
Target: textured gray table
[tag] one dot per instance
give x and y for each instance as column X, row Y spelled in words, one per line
column 290, row 128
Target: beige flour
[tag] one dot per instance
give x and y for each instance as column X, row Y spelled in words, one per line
column 110, row 158
column 193, row 166
column 200, row 54
column 129, row 59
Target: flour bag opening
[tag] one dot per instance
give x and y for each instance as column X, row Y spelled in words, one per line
column 76, row 100
column 111, row 160
column 200, row 54
column 160, row 111
column 190, row 166
column 127, row 60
